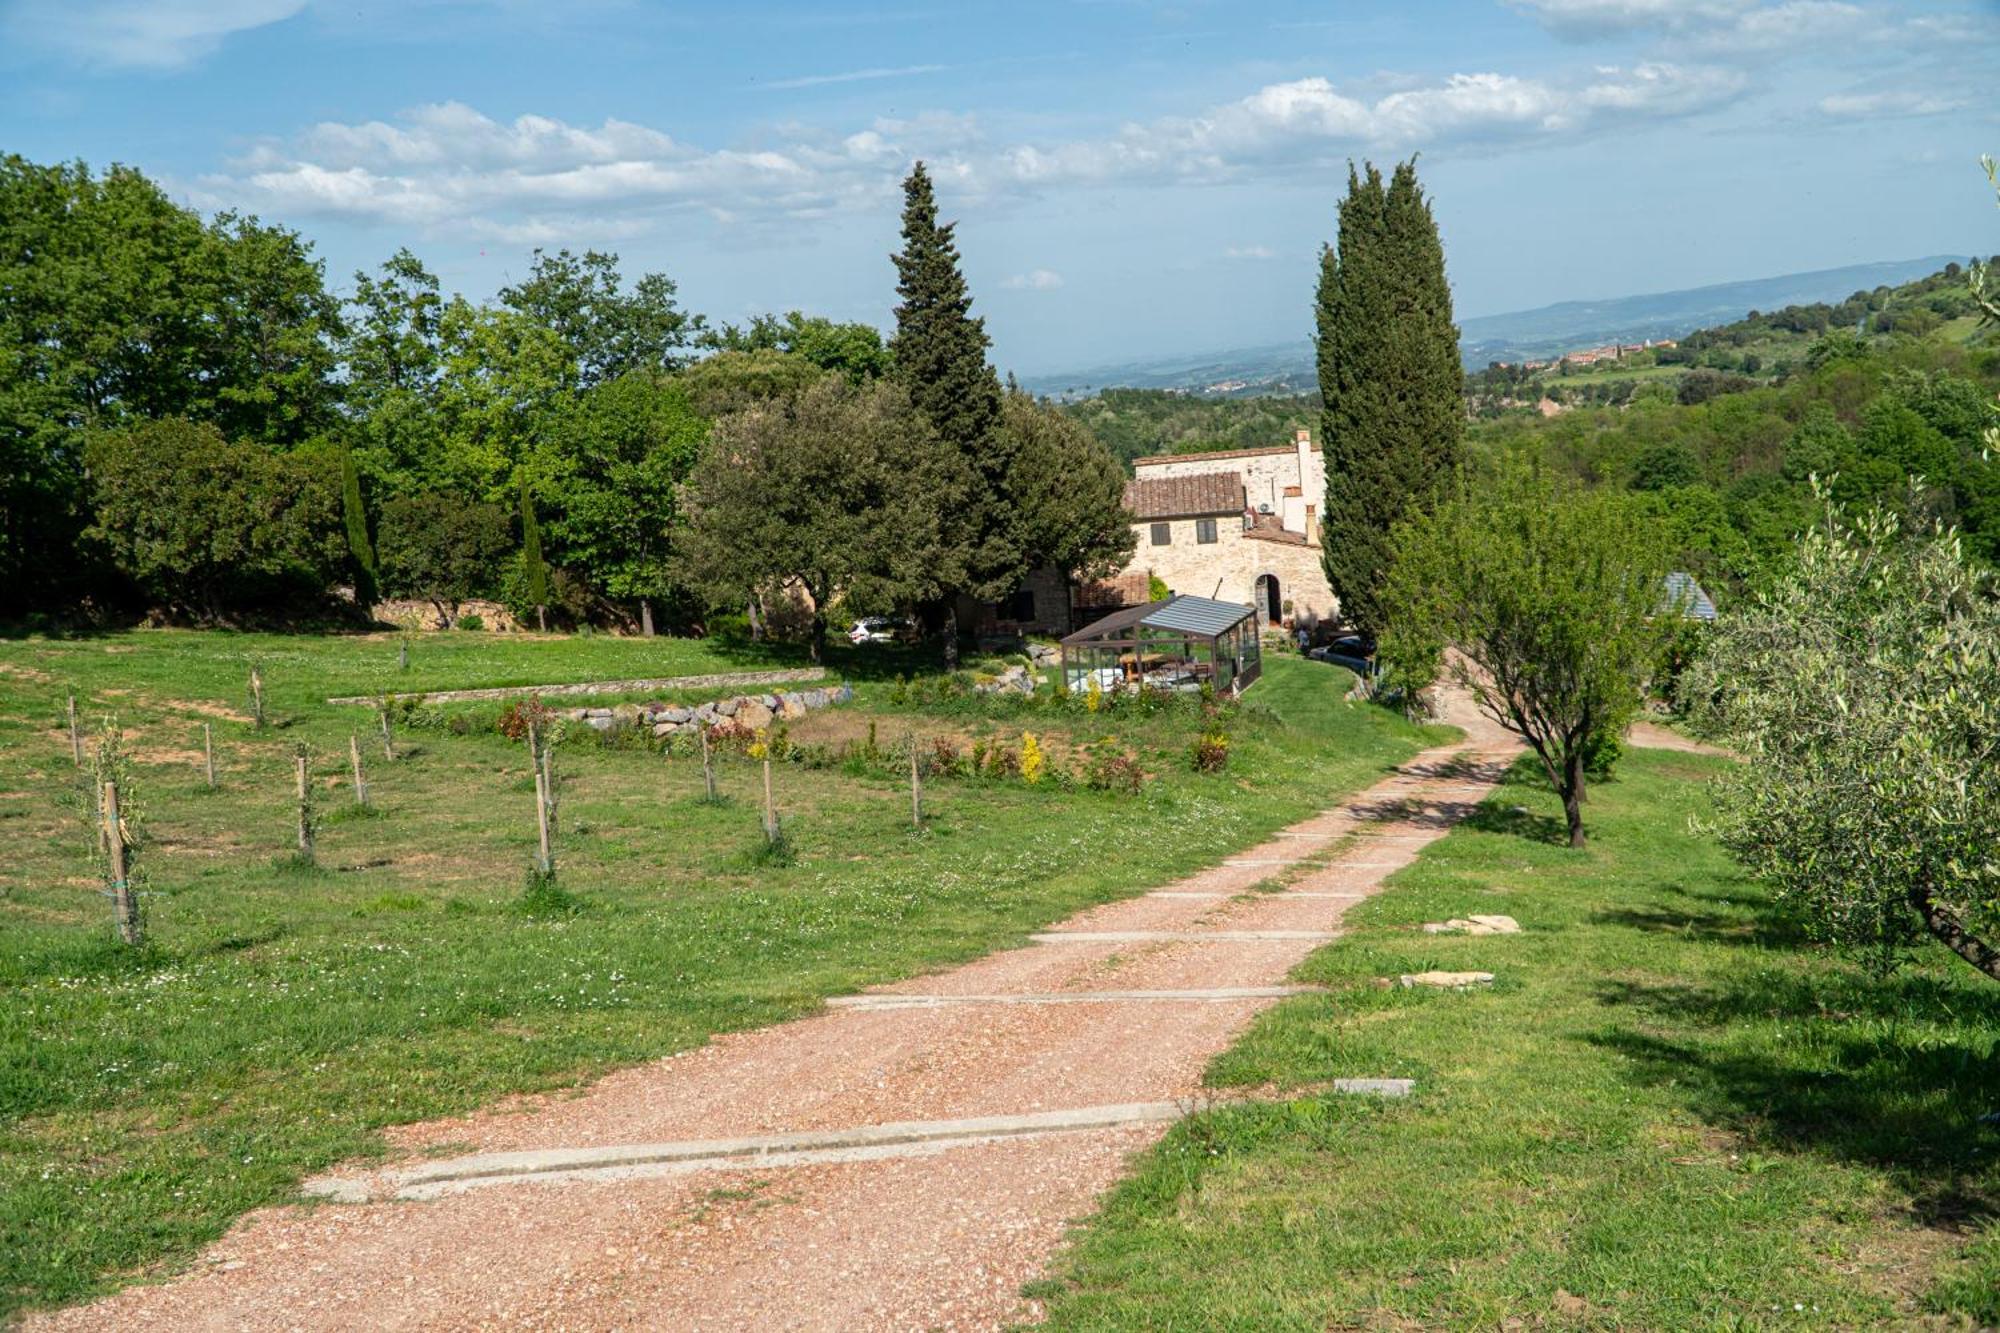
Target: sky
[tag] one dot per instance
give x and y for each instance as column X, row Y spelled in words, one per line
column 1130, row 179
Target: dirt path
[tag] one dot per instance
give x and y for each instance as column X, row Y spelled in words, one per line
column 671, row 1201
column 1653, row 736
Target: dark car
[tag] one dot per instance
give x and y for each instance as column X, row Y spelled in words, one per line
column 1352, row 651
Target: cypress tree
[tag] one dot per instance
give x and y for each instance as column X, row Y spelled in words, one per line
column 939, row 352
column 358, row 545
column 533, row 567
column 1389, row 377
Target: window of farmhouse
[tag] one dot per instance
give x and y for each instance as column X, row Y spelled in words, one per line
column 1163, row 534
column 1024, row 604
column 1204, row 530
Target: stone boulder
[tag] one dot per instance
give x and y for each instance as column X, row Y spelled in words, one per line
column 1444, row 980
column 753, row 714
column 1476, row 924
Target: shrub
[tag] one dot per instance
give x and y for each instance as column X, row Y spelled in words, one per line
column 1111, row 769
column 520, row 714
column 1211, row 752
column 472, row 621
column 1002, row 762
column 945, row 757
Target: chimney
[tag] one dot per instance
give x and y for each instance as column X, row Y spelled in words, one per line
column 1303, row 443
column 1312, row 524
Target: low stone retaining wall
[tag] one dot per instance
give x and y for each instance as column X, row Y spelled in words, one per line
column 719, row 680
column 752, row 711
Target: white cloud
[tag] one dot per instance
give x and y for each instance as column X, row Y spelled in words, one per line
column 854, row 76
column 141, row 34
column 1885, row 105
column 1036, row 280
column 1750, row 29
column 449, row 166
column 1249, row 252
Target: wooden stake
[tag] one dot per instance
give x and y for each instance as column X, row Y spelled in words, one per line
column 388, row 741
column 707, row 763
column 124, row 902
column 360, row 783
column 257, row 696
column 916, row 787
column 305, row 815
column 543, row 862
column 403, row 654
column 75, row 736
column 208, row 751
column 770, row 809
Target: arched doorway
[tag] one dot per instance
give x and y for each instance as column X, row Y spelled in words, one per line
column 1270, row 604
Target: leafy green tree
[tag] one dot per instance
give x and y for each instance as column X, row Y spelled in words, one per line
column 1544, row 601
column 504, row 379
column 1864, row 691
column 1390, row 379
column 608, row 469
column 940, row 357
column 208, row 527
column 608, row 330
column 1669, row 463
column 392, row 360
column 835, row 490
column 735, row 380
column 441, row 548
column 117, row 305
column 854, row 350
column 1068, row 491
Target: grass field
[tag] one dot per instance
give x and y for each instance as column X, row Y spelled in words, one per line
column 1666, row 1113
column 276, row 1018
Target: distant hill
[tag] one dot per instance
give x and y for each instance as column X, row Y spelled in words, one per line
column 1287, row 368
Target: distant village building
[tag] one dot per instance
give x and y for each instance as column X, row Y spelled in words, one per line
column 1240, row 525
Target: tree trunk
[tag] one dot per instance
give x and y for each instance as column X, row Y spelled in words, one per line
column 646, row 617
column 1572, row 794
column 756, row 622
column 1943, row 923
column 951, row 636
column 542, row 619
column 818, row 635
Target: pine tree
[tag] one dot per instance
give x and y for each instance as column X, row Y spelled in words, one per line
column 533, row 567
column 1390, row 379
column 940, row 356
column 358, row 545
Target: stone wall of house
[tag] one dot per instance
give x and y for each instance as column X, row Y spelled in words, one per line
column 1268, row 475
column 1234, row 561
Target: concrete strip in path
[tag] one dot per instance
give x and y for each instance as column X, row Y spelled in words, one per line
column 1214, row 994
column 1190, row 936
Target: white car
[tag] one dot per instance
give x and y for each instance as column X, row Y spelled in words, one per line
column 878, row 629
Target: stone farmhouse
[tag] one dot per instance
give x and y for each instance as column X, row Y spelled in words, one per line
column 1236, row 526
column 1240, row 525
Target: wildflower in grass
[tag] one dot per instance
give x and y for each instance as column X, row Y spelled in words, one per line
column 1093, row 698
column 1032, row 761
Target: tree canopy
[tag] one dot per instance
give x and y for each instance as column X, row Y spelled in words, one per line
column 1545, row 601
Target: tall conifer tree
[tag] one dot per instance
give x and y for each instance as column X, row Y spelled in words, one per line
column 358, row 545
column 533, row 566
column 1390, row 377
column 940, row 356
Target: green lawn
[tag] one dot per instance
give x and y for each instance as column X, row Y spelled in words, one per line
column 1667, row 1113
column 276, row 1019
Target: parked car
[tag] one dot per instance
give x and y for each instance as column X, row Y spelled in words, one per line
column 882, row 629
column 1352, row 651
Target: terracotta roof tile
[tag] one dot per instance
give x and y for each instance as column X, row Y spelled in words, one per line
column 1185, row 497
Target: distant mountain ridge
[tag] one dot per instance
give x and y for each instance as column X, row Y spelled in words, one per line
column 1284, row 368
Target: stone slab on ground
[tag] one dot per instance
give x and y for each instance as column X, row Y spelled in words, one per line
column 1479, row 923
column 1444, row 980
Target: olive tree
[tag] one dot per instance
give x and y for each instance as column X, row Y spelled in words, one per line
column 1544, row 601
column 1864, row 690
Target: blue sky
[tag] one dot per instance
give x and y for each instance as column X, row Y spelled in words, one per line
column 1130, row 178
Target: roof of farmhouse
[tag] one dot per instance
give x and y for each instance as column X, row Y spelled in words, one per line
column 1202, row 456
column 1185, row 497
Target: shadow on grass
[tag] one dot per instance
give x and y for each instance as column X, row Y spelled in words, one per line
column 1751, row 925
column 1519, row 823
column 1902, row 1075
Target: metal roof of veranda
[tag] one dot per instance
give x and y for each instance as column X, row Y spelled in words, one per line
column 1201, row 616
